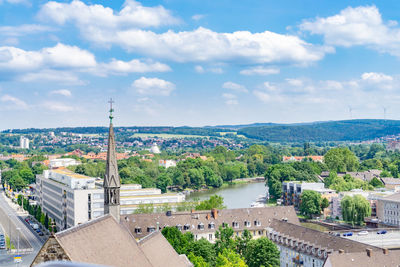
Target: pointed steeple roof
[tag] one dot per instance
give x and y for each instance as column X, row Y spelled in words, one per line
column 111, row 178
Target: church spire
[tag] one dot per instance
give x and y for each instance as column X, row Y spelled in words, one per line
column 111, row 182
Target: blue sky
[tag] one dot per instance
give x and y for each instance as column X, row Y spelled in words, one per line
column 185, row 62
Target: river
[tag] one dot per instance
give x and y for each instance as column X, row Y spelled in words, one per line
column 235, row 196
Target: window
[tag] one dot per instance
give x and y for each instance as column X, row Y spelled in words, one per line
column 247, row 223
column 235, row 225
column 211, row 225
column 200, row 226
column 210, row 237
column 179, row 227
column 186, row 227
column 89, row 215
column 257, row 223
column 151, row 229
column 138, row 230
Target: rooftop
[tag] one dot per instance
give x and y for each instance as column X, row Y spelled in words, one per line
column 69, row 173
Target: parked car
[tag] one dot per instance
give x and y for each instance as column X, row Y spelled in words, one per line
column 363, row 233
column 41, row 234
column 381, row 232
column 337, row 234
column 3, row 245
column 35, row 226
column 38, row 230
column 1, row 236
column 348, row 234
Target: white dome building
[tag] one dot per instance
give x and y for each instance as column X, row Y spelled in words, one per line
column 154, row 149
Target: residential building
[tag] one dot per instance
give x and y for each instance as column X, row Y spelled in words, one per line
column 302, row 158
column 389, row 210
column 105, row 242
column 388, row 258
column 391, row 183
column 301, row 246
column 24, row 142
column 291, row 191
column 203, row 224
column 167, row 163
column 64, row 162
column 68, row 198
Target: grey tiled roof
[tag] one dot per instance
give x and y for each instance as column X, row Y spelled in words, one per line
column 377, row 258
column 192, row 220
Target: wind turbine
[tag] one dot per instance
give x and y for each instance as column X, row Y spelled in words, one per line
column 351, row 112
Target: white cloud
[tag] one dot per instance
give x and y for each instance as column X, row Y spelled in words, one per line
column 201, row 69
column 96, row 16
column 361, row 25
column 376, row 77
column 198, row 17
column 24, row 2
column 260, row 70
column 57, row 106
column 230, row 99
column 294, row 82
column 16, row 102
column 59, row 56
column 63, row 92
column 263, row 96
column 235, row 87
column 25, row 29
column 269, row 87
column 46, row 75
column 134, row 66
column 153, row 86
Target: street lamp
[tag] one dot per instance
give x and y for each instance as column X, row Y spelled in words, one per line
column 9, row 230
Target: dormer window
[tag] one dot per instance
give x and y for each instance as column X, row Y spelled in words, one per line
column 211, row 225
column 186, row 227
column 200, row 226
column 151, row 229
column 235, row 225
column 138, row 230
column 257, row 223
column 179, row 227
column 247, row 223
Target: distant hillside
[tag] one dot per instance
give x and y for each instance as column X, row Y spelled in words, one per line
column 239, row 126
column 350, row 130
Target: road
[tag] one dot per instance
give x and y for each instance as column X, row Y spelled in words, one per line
column 389, row 240
column 27, row 236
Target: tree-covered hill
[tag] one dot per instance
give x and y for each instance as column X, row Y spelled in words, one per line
column 349, row 130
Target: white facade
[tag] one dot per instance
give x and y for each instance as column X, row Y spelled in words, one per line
column 154, row 149
column 68, row 198
column 65, row 162
column 292, row 258
column 24, row 142
column 391, row 210
column 131, row 199
column 71, row 199
column 167, row 163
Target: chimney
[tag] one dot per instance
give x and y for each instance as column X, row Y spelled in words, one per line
column 214, row 213
column 369, row 252
column 193, row 210
column 158, row 226
column 385, row 251
column 208, row 216
column 341, row 251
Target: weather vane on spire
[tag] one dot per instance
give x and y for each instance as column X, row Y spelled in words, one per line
column 111, row 109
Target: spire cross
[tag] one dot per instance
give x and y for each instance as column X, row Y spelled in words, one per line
column 111, row 109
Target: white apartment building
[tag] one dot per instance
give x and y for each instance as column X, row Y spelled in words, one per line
column 389, row 210
column 64, row 162
column 167, row 163
column 69, row 198
column 24, row 142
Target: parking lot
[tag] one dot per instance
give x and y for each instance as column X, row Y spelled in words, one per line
column 389, row 240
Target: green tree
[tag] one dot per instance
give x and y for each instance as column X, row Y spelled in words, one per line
column 324, row 203
column 341, row 159
column 229, row 258
column 224, row 239
column 375, row 182
column 180, row 242
column 242, row 242
column 355, row 209
column 20, row 199
column 214, row 202
column 262, row 252
column 204, row 249
column 46, row 221
column 197, row 261
column 310, row 203
column 163, row 181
